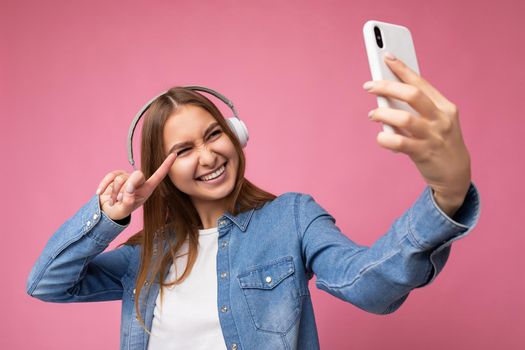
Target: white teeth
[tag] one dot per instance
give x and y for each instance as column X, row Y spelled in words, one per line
column 213, row 175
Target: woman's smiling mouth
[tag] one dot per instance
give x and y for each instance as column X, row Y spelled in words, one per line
column 215, row 176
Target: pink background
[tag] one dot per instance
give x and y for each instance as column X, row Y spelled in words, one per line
column 73, row 74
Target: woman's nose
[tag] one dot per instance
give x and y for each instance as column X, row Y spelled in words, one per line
column 206, row 154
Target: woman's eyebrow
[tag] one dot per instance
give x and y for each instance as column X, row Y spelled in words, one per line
column 187, row 143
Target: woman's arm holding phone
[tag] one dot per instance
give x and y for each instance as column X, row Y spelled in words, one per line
column 416, row 247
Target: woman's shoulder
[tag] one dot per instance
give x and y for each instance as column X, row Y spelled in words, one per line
column 287, row 199
column 294, row 196
column 301, row 202
column 299, row 206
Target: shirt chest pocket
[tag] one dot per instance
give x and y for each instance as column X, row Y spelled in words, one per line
column 271, row 294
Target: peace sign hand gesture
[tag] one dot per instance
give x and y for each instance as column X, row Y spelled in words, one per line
column 123, row 193
column 432, row 140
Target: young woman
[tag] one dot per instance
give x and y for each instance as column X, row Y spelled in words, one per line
column 223, row 264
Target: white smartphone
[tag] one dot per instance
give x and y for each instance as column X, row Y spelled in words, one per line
column 379, row 38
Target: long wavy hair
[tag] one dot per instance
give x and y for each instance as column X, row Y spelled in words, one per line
column 170, row 218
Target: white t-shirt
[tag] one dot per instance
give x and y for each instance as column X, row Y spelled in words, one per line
column 189, row 317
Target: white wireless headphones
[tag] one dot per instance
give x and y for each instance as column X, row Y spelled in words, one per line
column 236, row 125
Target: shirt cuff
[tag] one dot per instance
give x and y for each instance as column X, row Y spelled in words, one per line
column 98, row 225
column 430, row 226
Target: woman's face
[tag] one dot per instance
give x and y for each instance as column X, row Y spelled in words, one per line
column 205, row 150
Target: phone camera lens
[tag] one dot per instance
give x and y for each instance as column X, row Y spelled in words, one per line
column 379, row 39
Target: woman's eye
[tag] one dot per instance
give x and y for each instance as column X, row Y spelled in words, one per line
column 182, row 151
column 218, row 131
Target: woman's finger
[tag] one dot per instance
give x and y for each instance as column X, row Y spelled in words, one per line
column 135, row 180
column 160, row 173
column 101, row 188
column 400, row 143
column 407, row 75
column 416, row 126
column 115, row 188
column 128, row 199
column 127, row 195
column 107, row 180
column 410, row 94
column 105, row 196
column 117, row 184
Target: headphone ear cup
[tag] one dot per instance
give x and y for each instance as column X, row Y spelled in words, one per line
column 239, row 129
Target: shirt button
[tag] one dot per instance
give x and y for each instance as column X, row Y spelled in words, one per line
column 268, row 279
column 224, row 309
column 95, row 216
column 222, row 223
column 224, row 244
column 134, row 290
column 234, row 346
column 88, row 223
column 223, row 274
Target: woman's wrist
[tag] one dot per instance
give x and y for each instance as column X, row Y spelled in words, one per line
column 448, row 204
column 123, row 221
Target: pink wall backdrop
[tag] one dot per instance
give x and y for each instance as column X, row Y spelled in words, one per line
column 73, row 74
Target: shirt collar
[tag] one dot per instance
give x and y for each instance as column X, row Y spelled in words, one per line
column 241, row 220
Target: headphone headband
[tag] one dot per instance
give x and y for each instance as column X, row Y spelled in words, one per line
column 148, row 104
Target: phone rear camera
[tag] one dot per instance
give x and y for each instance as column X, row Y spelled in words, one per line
column 379, row 39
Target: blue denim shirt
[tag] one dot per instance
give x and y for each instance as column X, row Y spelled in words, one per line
column 269, row 255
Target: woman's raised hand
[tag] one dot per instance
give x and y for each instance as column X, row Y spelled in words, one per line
column 122, row 193
column 433, row 140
